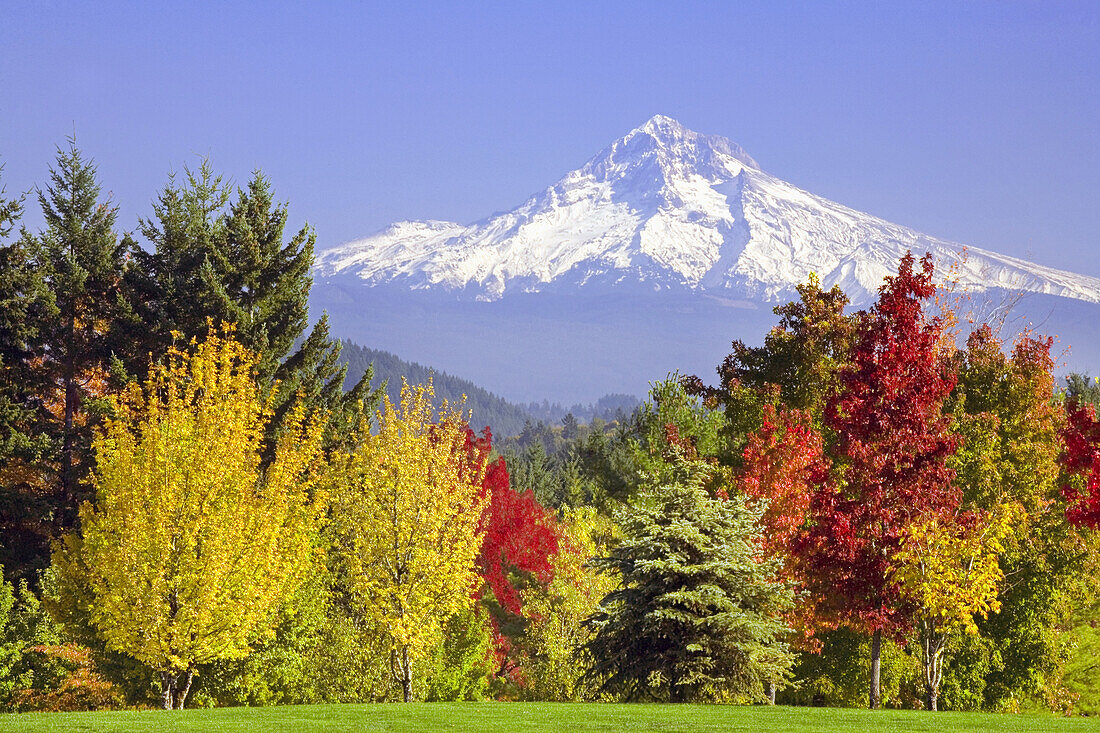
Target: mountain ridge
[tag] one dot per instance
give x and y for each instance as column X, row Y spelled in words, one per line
column 648, row 259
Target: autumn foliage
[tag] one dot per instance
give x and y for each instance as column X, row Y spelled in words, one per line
column 781, row 459
column 80, row 688
column 520, row 541
column 406, row 509
column 1081, row 462
column 857, row 485
column 520, row 535
column 189, row 548
column 892, row 443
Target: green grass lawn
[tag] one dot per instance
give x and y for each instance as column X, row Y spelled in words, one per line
column 522, row 717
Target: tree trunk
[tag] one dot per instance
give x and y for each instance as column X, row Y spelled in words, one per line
column 68, row 490
column 181, row 695
column 771, row 693
column 675, row 689
column 933, row 644
column 167, row 689
column 876, row 670
column 406, row 675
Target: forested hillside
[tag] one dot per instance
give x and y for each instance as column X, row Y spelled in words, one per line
column 487, row 408
column 505, row 418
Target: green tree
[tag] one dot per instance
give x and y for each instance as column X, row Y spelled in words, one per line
column 554, row 656
column 24, row 626
column 59, row 337
column 26, row 308
column 461, row 664
column 1005, row 411
column 1082, row 388
column 802, row 358
column 670, row 422
column 166, row 282
column 838, row 673
column 84, row 260
column 533, row 471
column 696, row 614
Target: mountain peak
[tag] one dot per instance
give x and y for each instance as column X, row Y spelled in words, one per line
column 663, row 133
column 662, row 125
column 665, row 151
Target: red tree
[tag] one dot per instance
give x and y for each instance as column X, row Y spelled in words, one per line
column 889, row 461
column 1081, row 461
column 781, row 462
column 521, row 540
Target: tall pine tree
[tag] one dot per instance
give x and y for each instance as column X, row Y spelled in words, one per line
column 165, row 283
column 62, row 305
column 84, row 260
column 26, row 306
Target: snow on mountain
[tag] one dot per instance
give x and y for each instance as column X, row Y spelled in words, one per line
column 666, row 208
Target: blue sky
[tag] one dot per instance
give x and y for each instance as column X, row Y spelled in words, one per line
column 974, row 121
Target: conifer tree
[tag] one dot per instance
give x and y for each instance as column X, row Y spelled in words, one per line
column 166, row 282
column 222, row 261
column 696, row 613
column 61, row 337
column 84, row 260
column 26, row 306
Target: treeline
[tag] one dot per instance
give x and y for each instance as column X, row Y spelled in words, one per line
column 615, row 406
column 195, row 511
column 932, row 506
column 86, row 311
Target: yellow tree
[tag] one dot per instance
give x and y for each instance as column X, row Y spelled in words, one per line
column 949, row 569
column 406, row 511
column 189, row 548
column 556, row 633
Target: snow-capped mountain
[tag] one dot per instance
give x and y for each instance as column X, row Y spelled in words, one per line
column 668, row 209
column 648, row 259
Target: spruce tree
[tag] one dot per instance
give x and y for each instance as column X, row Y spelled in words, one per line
column 165, row 283
column 62, row 305
column 84, row 260
column 26, row 305
column 217, row 261
column 21, row 289
column 696, row 615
